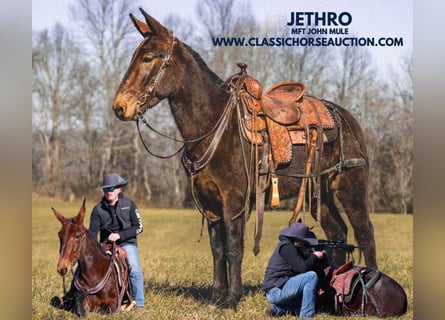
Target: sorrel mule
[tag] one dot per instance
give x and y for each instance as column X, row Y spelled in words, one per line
column 215, row 154
column 101, row 281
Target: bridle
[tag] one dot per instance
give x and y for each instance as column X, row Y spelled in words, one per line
column 78, row 249
column 148, row 96
column 76, row 255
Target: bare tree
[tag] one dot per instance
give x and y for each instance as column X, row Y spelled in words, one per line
column 401, row 129
column 55, row 59
column 355, row 74
column 85, row 121
column 107, row 33
column 225, row 18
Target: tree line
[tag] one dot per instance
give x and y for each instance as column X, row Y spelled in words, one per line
column 76, row 138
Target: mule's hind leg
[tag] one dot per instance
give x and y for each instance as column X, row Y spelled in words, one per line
column 331, row 222
column 351, row 189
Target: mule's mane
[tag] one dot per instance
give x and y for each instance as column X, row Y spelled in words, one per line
column 203, row 65
column 98, row 245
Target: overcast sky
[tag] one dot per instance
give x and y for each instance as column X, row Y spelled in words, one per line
column 375, row 18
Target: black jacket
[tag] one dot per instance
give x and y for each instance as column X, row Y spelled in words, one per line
column 127, row 222
column 287, row 261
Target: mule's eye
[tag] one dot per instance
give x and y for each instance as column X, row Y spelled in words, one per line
column 148, row 58
column 78, row 234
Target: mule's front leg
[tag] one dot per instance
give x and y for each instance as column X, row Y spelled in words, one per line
column 79, row 304
column 220, row 284
column 235, row 250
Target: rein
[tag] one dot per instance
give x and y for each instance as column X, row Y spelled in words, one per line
column 141, row 117
column 194, row 166
column 145, row 122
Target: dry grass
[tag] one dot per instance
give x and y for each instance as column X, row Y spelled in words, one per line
column 178, row 269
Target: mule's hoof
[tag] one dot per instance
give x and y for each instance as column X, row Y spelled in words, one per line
column 56, row 302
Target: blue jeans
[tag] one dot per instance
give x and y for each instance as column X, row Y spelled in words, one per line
column 136, row 276
column 298, row 295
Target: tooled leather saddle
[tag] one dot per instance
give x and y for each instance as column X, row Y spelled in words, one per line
column 284, row 111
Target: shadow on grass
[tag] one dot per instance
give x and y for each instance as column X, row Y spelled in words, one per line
column 199, row 293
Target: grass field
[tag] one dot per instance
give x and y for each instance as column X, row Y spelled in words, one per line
column 178, row 269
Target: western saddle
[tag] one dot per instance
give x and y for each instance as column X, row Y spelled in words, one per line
column 284, row 110
column 279, row 118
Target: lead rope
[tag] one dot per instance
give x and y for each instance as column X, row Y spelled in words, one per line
column 145, row 146
column 64, row 286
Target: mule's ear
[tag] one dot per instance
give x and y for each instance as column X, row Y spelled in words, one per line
column 81, row 214
column 140, row 26
column 153, row 25
column 58, row 215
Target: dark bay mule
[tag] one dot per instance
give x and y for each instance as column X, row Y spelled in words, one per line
column 101, row 282
column 163, row 67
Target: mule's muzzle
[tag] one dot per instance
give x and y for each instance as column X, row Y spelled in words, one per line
column 124, row 109
column 120, row 112
column 62, row 271
column 63, row 268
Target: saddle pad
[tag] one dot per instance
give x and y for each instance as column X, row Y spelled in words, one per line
column 299, row 137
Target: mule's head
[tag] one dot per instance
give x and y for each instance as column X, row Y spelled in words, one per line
column 71, row 236
column 150, row 77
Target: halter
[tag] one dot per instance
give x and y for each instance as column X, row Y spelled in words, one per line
column 148, row 96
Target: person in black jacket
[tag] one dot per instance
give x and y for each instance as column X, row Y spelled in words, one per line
column 291, row 277
column 117, row 219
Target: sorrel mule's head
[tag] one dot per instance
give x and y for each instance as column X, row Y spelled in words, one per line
column 144, row 84
column 71, row 236
column 97, row 286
